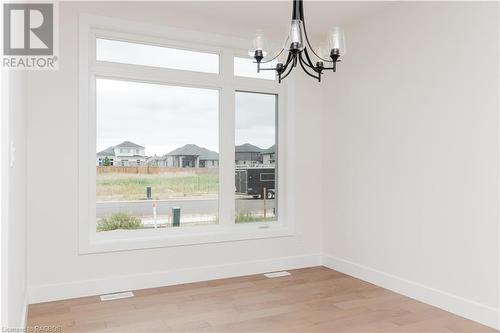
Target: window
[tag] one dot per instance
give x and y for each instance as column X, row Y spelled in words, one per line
column 174, row 148
column 173, row 122
column 156, row 56
column 255, row 172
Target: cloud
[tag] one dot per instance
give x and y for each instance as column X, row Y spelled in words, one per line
column 163, row 118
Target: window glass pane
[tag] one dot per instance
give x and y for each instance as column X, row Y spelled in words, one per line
column 255, row 157
column 247, row 68
column 156, row 56
column 157, row 155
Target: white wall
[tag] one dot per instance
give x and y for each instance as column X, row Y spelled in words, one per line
column 56, row 268
column 13, row 289
column 411, row 154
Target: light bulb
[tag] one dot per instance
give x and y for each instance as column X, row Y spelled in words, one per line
column 336, row 40
column 295, row 41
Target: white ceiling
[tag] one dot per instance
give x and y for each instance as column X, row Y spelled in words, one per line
column 270, row 13
column 272, row 17
column 239, row 18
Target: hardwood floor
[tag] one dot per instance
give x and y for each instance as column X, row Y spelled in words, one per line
column 310, row 300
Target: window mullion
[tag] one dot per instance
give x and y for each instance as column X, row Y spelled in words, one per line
column 156, row 75
column 226, row 141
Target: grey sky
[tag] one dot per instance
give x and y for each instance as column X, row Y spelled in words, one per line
column 163, row 118
column 255, row 119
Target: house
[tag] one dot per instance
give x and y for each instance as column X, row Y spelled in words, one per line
column 248, row 155
column 187, row 156
column 124, row 154
column 157, row 161
column 269, row 156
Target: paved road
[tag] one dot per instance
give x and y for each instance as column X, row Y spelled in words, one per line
column 163, row 207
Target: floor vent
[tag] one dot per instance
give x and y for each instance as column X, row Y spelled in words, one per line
column 110, row 297
column 277, row 274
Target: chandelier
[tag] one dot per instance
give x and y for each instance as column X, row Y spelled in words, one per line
column 297, row 47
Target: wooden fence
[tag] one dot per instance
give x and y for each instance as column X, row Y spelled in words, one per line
column 153, row 169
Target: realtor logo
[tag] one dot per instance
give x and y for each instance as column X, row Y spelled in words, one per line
column 28, row 36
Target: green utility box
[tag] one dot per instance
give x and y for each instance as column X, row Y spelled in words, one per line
column 176, row 216
column 148, row 193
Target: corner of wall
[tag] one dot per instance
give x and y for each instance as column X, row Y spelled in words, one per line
column 14, row 254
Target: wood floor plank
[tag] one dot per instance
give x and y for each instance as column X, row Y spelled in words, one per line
column 314, row 299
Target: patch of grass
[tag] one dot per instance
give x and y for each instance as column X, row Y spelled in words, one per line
column 122, row 186
column 246, row 218
column 119, row 221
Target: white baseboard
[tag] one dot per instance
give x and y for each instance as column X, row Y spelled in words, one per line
column 53, row 292
column 466, row 308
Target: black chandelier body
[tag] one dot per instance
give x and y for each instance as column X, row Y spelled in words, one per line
column 298, row 50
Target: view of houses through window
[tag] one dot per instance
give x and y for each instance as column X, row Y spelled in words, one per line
column 255, row 157
column 160, row 167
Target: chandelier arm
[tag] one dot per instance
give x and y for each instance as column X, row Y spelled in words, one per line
column 288, row 73
column 288, row 61
column 309, row 43
column 306, row 60
column 301, row 61
column 276, row 56
column 282, row 49
column 306, row 71
column 309, row 63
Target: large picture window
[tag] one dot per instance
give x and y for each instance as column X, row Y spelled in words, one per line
column 163, row 141
column 178, row 144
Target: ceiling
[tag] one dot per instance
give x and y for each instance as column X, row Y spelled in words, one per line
column 272, row 17
column 320, row 15
column 239, row 18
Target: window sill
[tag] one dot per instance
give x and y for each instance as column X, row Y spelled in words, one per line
column 124, row 240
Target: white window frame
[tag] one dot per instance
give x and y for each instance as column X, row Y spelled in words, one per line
column 92, row 27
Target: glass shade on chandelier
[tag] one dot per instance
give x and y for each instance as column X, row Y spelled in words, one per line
column 336, row 41
column 297, row 47
column 295, row 42
column 259, row 44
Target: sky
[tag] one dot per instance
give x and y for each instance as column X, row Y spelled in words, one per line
column 255, row 119
column 163, row 118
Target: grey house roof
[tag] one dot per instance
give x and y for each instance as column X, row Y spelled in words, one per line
column 107, row 152
column 128, row 144
column 270, row 150
column 247, row 148
column 194, row 150
column 111, row 150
